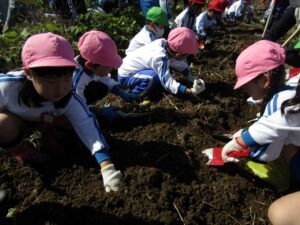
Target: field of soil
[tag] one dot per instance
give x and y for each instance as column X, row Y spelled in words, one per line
column 166, row 180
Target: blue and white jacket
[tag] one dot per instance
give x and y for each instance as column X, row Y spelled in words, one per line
column 203, row 23
column 75, row 110
column 145, row 36
column 186, row 19
column 154, row 56
column 273, row 130
column 81, row 80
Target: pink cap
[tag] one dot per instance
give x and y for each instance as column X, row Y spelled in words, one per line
column 99, row 48
column 258, row 58
column 183, row 41
column 47, row 50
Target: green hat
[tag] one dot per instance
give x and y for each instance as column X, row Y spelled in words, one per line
column 157, row 15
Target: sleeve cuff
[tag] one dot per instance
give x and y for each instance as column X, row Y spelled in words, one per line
column 181, row 89
column 102, row 155
column 247, row 138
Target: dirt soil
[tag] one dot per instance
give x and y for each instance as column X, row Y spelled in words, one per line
column 166, row 180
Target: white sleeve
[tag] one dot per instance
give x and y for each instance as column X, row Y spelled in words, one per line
column 85, row 124
column 179, row 19
column 200, row 25
column 161, row 66
column 276, row 126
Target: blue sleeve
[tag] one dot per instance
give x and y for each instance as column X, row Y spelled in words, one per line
column 181, row 89
column 247, row 138
column 102, row 155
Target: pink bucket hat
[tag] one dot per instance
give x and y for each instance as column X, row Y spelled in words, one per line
column 258, row 58
column 183, row 41
column 99, row 48
column 47, row 50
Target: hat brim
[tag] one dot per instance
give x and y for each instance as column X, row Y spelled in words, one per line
column 242, row 81
column 53, row 62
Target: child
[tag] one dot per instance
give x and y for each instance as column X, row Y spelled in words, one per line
column 261, row 74
column 209, row 20
column 42, row 93
column 241, row 10
column 98, row 56
column 290, row 17
column 164, row 4
column 277, row 8
column 187, row 18
column 156, row 22
column 144, row 68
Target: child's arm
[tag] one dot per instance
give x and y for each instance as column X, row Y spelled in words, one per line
column 87, row 128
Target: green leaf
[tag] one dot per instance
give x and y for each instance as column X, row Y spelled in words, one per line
column 25, row 33
column 10, row 34
column 51, row 27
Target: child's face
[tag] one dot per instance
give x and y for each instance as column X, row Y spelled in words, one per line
column 213, row 14
column 180, row 56
column 256, row 88
column 52, row 87
column 101, row 70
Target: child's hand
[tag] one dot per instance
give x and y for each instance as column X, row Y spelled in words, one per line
column 231, row 146
column 111, row 178
column 198, row 86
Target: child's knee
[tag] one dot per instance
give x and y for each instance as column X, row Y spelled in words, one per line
column 10, row 126
column 276, row 214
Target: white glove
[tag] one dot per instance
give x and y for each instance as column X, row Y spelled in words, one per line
column 238, row 133
column 192, row 78
column 111, row 178
column 198, row 86
column 231, row 146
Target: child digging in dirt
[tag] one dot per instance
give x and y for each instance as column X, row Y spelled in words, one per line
column 146, row 5
column 187, row 18
column 154, row 29
column 143, row 69
column 92, row 80
column 240, row 11
column 261, row 74
column 42, row 93
column 209, row 20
